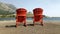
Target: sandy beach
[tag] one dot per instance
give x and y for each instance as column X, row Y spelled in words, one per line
column 48, row 28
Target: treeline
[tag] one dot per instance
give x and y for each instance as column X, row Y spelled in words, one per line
column 6, row 14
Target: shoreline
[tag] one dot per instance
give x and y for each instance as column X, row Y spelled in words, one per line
column 26, row 21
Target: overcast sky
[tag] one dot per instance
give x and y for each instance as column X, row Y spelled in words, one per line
column 51, row 7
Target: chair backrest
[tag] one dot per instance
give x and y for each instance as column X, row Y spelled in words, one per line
column 21, row 12
column 37, row 11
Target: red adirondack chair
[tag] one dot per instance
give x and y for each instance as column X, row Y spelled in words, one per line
column 21, row 16
column 38, row 15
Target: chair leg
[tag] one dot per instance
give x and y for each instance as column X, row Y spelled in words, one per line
column 25, row 23
column 33, row 23
column 16, row 24
column 42, row 22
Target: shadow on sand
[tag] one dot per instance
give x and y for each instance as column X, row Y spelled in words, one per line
column 10, row 26
column 20, row 25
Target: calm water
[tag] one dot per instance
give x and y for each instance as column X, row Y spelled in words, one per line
column 46, row 19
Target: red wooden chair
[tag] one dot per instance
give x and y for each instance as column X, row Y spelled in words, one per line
column 38, row 15
column 21, row 16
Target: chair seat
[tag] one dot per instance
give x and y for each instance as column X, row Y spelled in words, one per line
column 21, row 18
column 37, row 18
column 21, row 15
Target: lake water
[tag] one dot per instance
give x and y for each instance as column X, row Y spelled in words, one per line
column 46, row 19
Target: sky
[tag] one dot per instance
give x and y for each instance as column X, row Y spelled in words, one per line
column 50, row 8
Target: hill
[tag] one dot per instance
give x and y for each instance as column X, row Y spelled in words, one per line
column 7, row 8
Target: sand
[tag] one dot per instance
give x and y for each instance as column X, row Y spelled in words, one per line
column 48, row 28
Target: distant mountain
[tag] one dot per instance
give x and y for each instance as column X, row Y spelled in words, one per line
column 7, row 8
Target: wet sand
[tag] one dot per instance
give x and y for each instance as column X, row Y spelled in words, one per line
column 48, row 28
